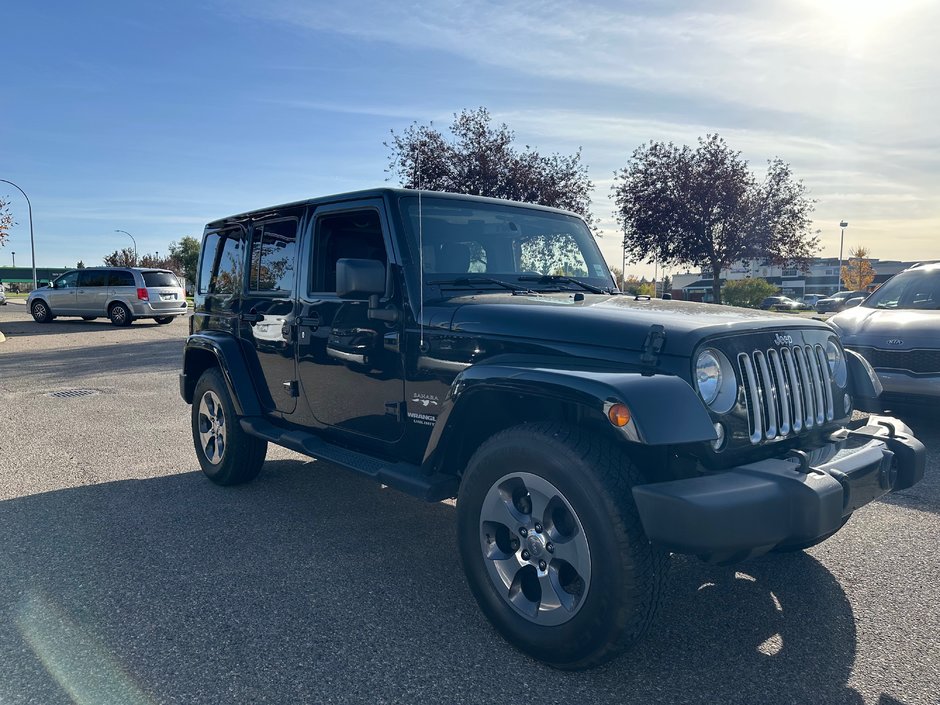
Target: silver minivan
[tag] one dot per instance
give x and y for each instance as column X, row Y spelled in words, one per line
column 123, row 294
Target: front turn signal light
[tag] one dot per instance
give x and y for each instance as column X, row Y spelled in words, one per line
column 619, row 415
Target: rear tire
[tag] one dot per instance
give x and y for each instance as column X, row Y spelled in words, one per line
column 41, row 312
column 227, row 455
column 583, row 583
column 163, row 320
column 120, row 315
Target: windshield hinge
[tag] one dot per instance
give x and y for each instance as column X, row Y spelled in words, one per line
column 653, row 344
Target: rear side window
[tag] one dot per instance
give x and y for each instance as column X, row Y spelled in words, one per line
column 92, row 277
column 273, row 248
column 160, row 279
column 120, row 279
column 221, row 263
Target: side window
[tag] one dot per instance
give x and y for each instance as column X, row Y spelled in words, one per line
column 67, row 281
column 92, row 277
column 273, row 249
column 227, row 265
column 210, row 245
column 119, row 278
column 355, row 235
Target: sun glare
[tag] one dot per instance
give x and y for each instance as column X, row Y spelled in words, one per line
column 863, row 15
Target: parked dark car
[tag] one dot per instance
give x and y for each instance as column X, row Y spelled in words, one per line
column 788, row 304
column 429, row 341
column 837, row 302
column 897, row 329
column 770, row 302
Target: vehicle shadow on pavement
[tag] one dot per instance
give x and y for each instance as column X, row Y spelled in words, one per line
column 159, row 355
column 70, row 326
column 314, row 585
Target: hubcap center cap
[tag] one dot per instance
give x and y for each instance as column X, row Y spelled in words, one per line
column 535, row 545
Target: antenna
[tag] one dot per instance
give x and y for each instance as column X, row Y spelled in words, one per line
column 420, row 256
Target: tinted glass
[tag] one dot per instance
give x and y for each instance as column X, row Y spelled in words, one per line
column 226, row 272
column 209, row 247
column 160, row 279
column 93, row 277
column 908, row 290
column 273, row 247
column 119, row 278
column 356, row 235
column 67, row 281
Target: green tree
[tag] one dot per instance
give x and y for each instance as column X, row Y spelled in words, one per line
column 6, row 221
column 157, row 261
column 186, row 253
column 480, row 158
column 704, row 207
column 80, row 265
column 748, row 292
column 121, row 258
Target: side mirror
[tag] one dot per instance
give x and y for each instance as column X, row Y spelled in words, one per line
column 852, row 303
column 359, row 278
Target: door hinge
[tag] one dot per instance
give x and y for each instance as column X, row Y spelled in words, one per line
column 653, row 345
column 396, row 409
column 291, row 388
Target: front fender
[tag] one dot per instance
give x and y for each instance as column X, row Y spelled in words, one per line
column 665, row 410
column 224, row 352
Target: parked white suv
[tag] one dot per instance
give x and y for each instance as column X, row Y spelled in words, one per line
column 123, row 294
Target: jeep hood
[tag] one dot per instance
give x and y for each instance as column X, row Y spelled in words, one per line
column 872, row 327
column 610, row 321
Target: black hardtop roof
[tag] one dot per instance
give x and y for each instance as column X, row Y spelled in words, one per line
column 380, row 192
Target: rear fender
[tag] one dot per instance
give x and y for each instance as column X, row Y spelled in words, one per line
column 210, row 350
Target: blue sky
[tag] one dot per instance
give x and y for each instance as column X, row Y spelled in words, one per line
column 156, row 118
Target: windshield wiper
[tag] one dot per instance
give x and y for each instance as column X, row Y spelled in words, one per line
column 561, row 279
column 470, row 281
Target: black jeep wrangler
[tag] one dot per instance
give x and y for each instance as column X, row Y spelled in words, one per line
column 455, row 346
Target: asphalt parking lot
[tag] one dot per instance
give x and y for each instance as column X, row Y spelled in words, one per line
column 126, row 577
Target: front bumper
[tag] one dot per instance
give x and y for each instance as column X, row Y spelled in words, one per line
column 750, row 509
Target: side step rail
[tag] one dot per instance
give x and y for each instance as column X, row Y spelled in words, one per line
column 404, row 477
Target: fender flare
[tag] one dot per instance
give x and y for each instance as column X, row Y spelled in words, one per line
column 665, row 409
column 228, row 358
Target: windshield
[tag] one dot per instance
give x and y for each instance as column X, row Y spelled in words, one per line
column 911, row 290
column 505, row 242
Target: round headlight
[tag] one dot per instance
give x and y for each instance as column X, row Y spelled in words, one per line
column 837, row 366
column 708, row 376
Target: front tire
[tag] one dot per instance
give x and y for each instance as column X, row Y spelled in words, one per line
column 227, row 455
column 120, row 315
column 41, row 312
column 553, row 547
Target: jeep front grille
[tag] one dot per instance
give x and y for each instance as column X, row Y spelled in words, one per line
column 786, row 390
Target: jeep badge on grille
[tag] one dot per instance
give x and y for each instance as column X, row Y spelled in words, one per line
column 781, row 339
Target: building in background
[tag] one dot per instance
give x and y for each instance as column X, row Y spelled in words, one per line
column 21, row 278
column 820, row 277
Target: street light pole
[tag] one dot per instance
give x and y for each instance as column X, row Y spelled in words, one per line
column 843, row 225
column 14, row 259
column 132, row 240
column 32, row 244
